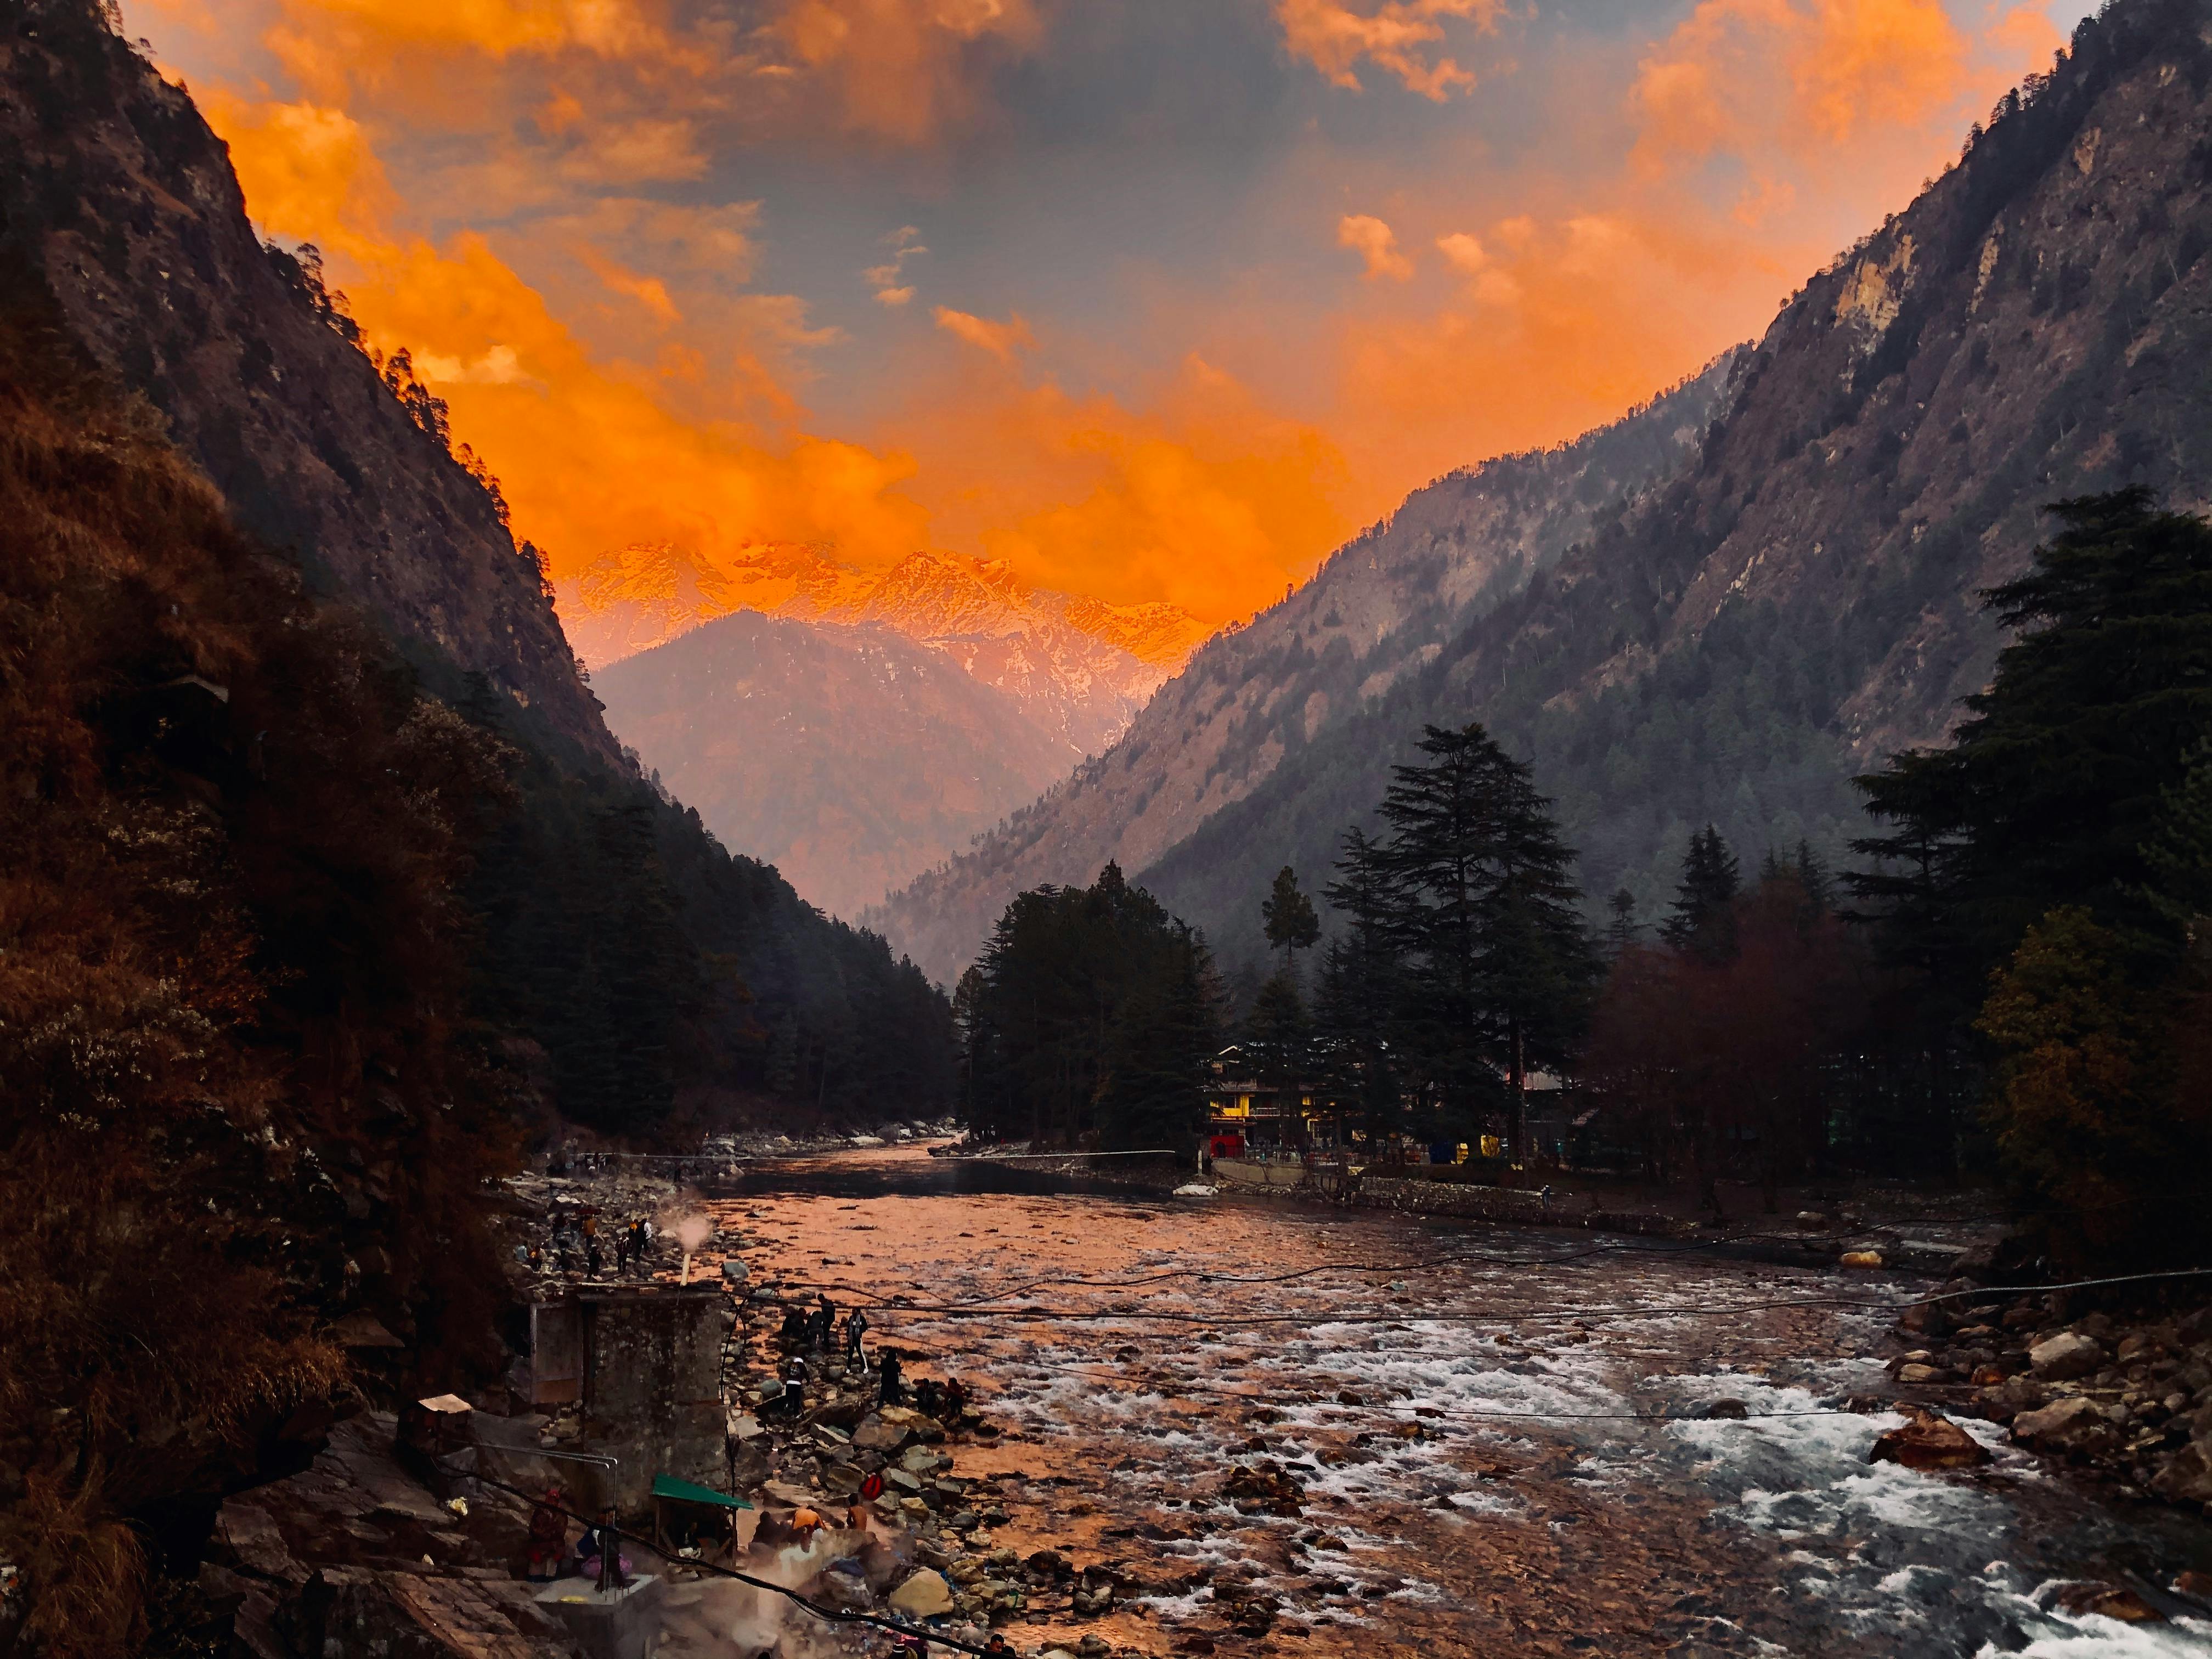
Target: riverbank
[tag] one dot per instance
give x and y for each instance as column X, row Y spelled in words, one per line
column 1871, row 1224
column 2119, row 1393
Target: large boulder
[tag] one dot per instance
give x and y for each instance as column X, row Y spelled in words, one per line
column 2066, row 1356
column 876, row 1434
column 2060, row 1425
column 1929, row 1440
column 2186, row 1476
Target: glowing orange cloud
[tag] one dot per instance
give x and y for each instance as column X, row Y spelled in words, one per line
column 630, row 390
column 1840, row 83
column 1376, row 243
column 1397, row 35
column 590, row 453
column 897, row 69
column 1001, row 340
column 1766, row 133
column 1204, row 497
column 905, row 244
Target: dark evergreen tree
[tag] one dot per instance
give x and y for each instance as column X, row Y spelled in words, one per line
column 2050, row 791
column 2057, row 806
column 1288, row 915
column 1622, row 931
column 1095, row 1017
column 1358, row 993
column 1813, row 876
column 1483, row 904
column 1703, row 921
column 1279, row 1036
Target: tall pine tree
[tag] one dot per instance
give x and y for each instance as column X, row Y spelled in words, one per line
column 1703, row 921
column 1483, row 904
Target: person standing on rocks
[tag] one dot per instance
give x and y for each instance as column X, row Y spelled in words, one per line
column 894, row 1389
column 794, row 1388
column 856, row 1326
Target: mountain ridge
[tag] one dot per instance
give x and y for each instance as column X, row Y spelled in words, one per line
column 1791, row 598
column 1076, row 666
column 847, row 755
column 125, row 203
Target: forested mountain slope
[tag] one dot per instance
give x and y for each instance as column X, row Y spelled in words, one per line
column 848, row 757
column 1253, row 701
column 625, row 968
column 127, row 203
column 1799, row 599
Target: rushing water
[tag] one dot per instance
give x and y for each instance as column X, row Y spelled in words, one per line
column 1497, row 1433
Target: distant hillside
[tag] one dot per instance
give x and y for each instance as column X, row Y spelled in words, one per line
column 848, row 757
column 1740, row 623
column 1076, row 666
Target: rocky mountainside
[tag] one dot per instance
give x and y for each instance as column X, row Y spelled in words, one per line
column 115, row 189
column 1075, row 666
column 1748, row 620
column 623, row 965
column 1378, row 611
column 849, row 755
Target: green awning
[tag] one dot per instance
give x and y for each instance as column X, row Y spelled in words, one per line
column 667, row 1485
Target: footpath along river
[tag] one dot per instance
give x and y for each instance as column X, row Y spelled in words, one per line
column 1497, row 1433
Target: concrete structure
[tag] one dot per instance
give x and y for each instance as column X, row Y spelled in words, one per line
column 644, row 1365
column 619, row 1623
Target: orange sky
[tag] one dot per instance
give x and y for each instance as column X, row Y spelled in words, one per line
column 1157, row 303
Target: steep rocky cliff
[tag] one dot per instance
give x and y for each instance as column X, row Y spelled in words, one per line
column 1796, row 599
column 112, row 186
column 848, row 757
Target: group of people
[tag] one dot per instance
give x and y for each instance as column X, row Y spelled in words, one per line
column 578, row 1243
column 815, row 1331
column 597, row 1555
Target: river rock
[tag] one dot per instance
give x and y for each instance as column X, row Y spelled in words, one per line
column 1862, row 1258
column 2068, row 1355
column 1929, row 1440
column 2109, row 1602
column 1263, row 1486
column 876, row 1434
column 1914, row 1374
column 924, row 1596
column 2062, row 1424
column 2186, row 1477
column 782, row 1492
column 1730, row 1410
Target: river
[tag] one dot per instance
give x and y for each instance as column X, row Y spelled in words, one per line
column 1498, row 1433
